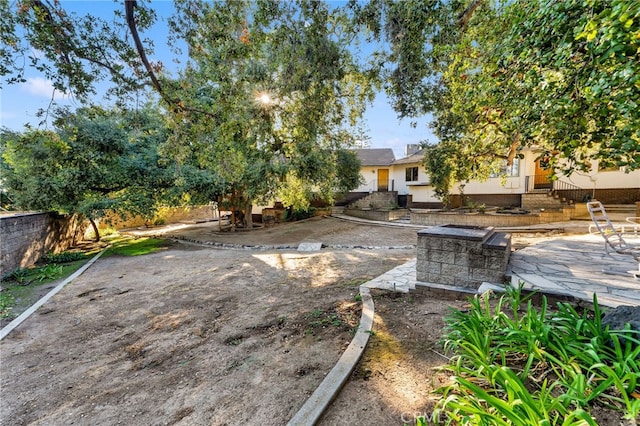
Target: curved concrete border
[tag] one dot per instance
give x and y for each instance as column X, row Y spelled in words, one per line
column 26, row 314
column 317, row 403
column 232, row 246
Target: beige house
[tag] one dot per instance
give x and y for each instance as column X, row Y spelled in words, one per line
column 407, row 176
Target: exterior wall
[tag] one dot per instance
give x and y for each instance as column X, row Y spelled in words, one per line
column 27, row 237
column 497, row 185
column 424, row 194
column 597, row 179
column 399, row 176
column 369, row 175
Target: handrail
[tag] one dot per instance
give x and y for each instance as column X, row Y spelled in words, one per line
column 565, row 190
column 572, row 192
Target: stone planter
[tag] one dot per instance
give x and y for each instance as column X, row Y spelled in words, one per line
column 462, row 256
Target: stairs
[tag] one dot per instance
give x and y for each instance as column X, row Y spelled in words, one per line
column 543, row 199
column 404, row 219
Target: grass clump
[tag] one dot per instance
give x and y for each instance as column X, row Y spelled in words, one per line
column 517, row 364
column 129, row 246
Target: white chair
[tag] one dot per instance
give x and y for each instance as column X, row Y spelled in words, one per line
column 612, row 237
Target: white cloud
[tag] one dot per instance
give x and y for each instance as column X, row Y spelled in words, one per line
column 41, row 87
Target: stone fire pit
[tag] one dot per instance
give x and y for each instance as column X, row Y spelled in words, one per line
column 464, row 256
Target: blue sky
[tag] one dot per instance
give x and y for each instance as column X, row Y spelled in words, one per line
column 20, row 103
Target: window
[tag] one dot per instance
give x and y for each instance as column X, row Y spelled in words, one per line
column 509, row 171
column 411, row 174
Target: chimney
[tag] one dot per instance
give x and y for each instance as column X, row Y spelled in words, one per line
column 411, row 148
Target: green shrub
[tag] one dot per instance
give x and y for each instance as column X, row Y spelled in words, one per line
column 516, row 365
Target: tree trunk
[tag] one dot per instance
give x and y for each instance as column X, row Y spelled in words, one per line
column 248, row 218
column 95, row 230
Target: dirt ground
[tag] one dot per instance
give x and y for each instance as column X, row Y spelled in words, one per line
column 200, row 336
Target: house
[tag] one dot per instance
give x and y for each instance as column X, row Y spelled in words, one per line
column 522, row 184
column 375, row 169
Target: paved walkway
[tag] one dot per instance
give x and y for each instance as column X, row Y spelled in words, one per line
column 575, row 265
column 578, row 265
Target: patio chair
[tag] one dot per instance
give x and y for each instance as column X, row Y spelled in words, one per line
column 612, row 237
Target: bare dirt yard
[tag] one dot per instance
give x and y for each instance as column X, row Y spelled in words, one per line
column 194, row 335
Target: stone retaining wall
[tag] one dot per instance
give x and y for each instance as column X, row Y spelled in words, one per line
column 26, row 237
column 379, row 215
column 377, row 200
column 431, row 218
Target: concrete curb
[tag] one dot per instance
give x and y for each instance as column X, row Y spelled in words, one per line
column 26, row 314
column 286, row 247
column 318, row 402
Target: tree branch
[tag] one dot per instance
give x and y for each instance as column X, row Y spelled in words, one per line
column 177, row 104
column 468, row 12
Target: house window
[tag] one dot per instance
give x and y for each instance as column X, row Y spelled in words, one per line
column 509, row 171
column 411, row 174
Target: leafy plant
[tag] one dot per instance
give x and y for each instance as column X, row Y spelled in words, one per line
column 48, row 273
column 540, row 366
column 64, row 257
column 7, row 301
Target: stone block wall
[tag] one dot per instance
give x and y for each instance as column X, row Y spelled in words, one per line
column 378, row 215
column 26, row 237
column 462, row 256
column 377, row 200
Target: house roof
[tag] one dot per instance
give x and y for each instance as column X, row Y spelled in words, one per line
column 417, row 157
column 375, row 156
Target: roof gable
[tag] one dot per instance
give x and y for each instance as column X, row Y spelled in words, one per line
column 375, row 156
column 418, row 157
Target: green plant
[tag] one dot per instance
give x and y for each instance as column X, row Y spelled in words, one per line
column 48, row 273
column 64, row 257
column 126, row 246
column 18, row 275
column 7, row 301
column 502, row 350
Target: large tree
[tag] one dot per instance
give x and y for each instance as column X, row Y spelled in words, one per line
column 280, row 89
column 499, row 76
column 96, row 161
column 264, row 102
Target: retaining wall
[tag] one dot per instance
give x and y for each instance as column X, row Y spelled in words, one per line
column 496, row 220
column 26, row 237
column 379, row 215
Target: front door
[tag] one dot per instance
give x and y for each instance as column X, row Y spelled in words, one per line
column 383, row 180
column 542, row 178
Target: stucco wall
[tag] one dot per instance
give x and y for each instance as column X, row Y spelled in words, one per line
column 24, row 238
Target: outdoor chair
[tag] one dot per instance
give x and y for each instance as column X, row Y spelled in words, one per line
column 612, row 237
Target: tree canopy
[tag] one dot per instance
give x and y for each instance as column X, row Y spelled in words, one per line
column 265, row 101
column 270, row 89
column 281, row 89
column 499, row 76
column 96, row 161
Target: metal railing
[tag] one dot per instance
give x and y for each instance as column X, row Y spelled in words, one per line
column 563, row 189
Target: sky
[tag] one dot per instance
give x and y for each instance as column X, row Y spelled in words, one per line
column 19, row 103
